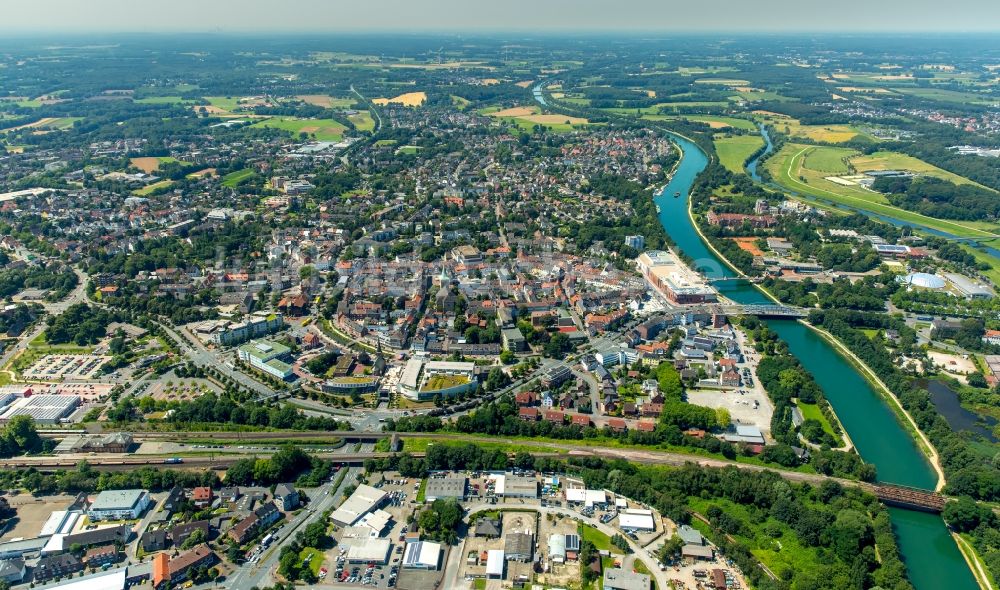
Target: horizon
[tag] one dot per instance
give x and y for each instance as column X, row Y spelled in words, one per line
column 310, row 17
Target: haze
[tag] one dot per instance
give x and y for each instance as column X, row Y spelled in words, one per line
column 61, row 16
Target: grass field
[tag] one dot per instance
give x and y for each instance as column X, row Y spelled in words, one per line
column 734, row 151
column 148, row 189
column 944, row 95
column 321, row 129
column 804, row 168
column 459, row 102
column 813, row 412
column 315, row 562
column 233, row 178
column 48, row 123
column 363, row 121
column 226, row 103
column 601, row 541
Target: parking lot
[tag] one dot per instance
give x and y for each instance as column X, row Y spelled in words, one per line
column 401, row 503
column 66, row 366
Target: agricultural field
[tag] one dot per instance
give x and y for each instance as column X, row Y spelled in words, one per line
column 528, row 117
column 821, row 133
column 410, row 99
column 719, row 122
column 734, row 151
column 804, row 169
column 152, row 164
column 320, row 129
column 48, row 124
column 327, row 101
column 165, row 100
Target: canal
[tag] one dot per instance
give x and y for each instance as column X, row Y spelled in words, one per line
column 932, row 557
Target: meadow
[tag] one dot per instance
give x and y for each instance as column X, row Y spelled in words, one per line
column 734, row 151
column 320, row 129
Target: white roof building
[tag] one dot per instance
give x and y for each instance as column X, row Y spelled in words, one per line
column 636, row 520
column 362, row 550
column 376, row 520
column 586, row 497
column 557, row 548
column 364, row 499
column 422, row 555
column 494, row 563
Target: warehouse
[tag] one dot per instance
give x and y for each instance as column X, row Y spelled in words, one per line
column 364, row 499
column 45, row 409
column 445, row 487
column 369, row 550
column 422, row 555
column 586, row 497
column 636, row 520
column 621, row 579
column 511, row 486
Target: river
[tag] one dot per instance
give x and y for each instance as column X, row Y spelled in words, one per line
column 932, row 557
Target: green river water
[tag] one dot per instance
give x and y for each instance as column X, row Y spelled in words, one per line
column 931, row 555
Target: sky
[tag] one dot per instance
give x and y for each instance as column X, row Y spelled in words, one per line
column 565, row 16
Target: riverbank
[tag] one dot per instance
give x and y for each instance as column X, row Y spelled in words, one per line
column 884, row 392
column 848, row 443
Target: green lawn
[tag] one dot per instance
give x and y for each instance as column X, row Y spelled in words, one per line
column 813, row 412
column 363, row 121
column 320, row 129
column 148, row 189
column 734, row 151
column 601, row 541
column 226, row 103
column 233, row 178
column 317, row 559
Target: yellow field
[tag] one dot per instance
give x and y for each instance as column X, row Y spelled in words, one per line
column 205, row 172
column 523, row 83
column 555, row 120
column 516, row 112
column 39, row 123
column 794, row 128
column 147, row 165
column 410, row 99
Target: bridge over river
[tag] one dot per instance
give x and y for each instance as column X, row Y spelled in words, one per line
column 764, row 310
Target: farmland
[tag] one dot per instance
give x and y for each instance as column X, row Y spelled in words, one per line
column 528, row 117
column 326, row 101
column 410, row 99
column 821, row 133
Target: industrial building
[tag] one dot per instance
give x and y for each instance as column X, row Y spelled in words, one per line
column 369, row 550
column 119, row 505
column 267, row 356
column 445, row 487
column 586, row 497
column 422, row 555
column 364, row 499
column 636, row 520
column 621, row 579
column 512, row 486
column 670, row 277
column 44, row 409
column 495, row 563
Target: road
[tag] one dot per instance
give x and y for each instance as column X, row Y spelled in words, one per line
column 201, row 356
column 260, row 575
column 454, row 582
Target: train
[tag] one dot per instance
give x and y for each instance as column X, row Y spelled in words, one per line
column 173, row 460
